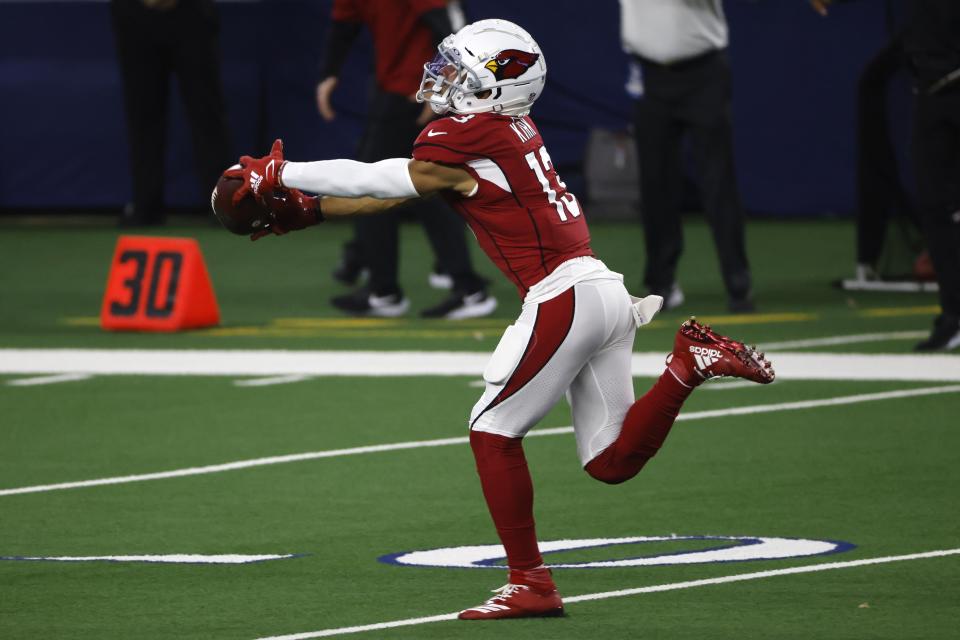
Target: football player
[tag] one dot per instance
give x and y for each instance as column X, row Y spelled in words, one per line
column 575, row 332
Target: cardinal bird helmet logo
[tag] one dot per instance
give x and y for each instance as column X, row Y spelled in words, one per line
column 511, row 63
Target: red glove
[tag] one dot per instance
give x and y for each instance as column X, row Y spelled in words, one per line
column 260, row 175
column 290, row 210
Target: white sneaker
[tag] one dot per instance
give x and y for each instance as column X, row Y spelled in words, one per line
column 363, row 303
column 460, row 307
column 392, row 306
column 440, row 280
column 865, row 273
column 674, row 297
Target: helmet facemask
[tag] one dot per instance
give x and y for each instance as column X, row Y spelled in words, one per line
column 445, row 78
column 488, row 66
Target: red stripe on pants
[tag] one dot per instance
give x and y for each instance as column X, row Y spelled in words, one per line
column 550, row 329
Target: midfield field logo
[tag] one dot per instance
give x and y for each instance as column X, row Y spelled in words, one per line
column 728, row 549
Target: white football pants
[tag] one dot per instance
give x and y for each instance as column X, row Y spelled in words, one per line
column 579, row 344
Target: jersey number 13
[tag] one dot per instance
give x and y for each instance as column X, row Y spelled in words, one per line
column 566, row 204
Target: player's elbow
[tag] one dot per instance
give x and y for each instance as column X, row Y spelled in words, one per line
column 429, row 178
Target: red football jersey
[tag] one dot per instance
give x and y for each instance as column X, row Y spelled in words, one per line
column 522, row 214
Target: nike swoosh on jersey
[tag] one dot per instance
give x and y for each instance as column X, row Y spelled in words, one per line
column 432, row 133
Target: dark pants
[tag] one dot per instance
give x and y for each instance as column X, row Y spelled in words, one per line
column 390, row 133
column 692, row 97
column 880, row 193
column 151, row 46
column 936, row 148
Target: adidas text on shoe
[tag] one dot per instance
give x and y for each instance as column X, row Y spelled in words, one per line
column 517, row 601
column 699, row 353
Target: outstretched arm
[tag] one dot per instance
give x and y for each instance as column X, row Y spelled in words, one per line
column 349, row 187
column 427, row 178
column 387, row 179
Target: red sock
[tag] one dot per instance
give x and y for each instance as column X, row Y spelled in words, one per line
column 645, row 427
column 509, row 492
column 540, row 579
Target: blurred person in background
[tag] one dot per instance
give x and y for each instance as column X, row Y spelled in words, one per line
column 405, row 33
column 881, row 195
column 156, row 39
column 882, row 199
column 931, row 44
column 681, row 50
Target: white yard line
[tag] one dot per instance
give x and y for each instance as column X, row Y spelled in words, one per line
column 269, row 382
column 53, row 379
column 169, row 558
column 419, row 444
column 722, row 384
column 821, row 402
column 830, row 341
column 269, row 363
column 605, row 595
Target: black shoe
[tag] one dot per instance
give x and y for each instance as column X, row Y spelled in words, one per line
column 945, row 335
column 364, row 303
column 351, row 267
column 460, row 306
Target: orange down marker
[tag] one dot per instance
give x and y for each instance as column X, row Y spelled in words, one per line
column 158, row 284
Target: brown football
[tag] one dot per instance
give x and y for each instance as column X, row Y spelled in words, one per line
column 243, row 218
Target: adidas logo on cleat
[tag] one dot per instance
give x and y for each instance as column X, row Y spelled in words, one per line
column 705, row 358
column 702, row 353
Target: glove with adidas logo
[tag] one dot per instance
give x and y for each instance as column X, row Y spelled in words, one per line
column 261, row 176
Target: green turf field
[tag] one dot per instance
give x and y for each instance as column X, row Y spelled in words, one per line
column 880, row 472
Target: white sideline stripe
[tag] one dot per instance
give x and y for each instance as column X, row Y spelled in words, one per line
column 54, row 379
column 264, row 363
column 822, row 402
column 417, row 444
column 848, row 339
column 170, row 558
column 672, row 586
column 272, row 380
column 721, row 385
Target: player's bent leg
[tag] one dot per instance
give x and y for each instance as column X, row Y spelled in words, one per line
column 645, row 427
column 698, row 354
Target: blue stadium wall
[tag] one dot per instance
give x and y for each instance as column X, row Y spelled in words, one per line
column 63, row 138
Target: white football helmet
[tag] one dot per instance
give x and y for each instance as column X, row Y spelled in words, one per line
column 490, row 65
